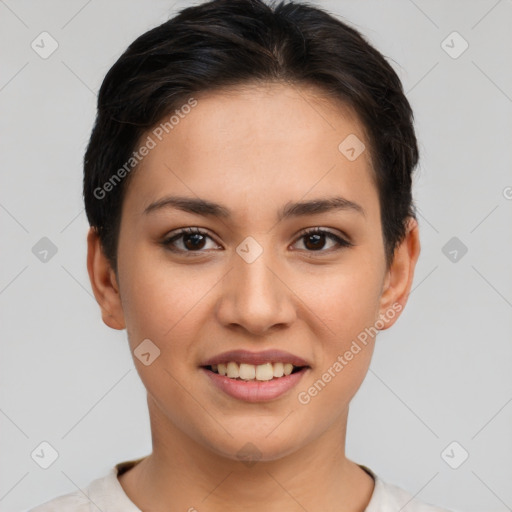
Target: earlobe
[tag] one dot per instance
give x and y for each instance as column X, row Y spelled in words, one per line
column 399, row 277
column 104, row 283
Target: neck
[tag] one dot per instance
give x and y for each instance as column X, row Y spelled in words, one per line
column 184, row 474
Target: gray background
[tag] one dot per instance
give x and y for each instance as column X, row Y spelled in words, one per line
column 441, row 374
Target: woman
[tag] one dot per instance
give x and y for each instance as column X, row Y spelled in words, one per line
column 248, row 187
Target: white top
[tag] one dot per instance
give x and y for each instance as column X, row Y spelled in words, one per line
column 108, row 495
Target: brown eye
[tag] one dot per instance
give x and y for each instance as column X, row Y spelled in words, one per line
column 315, row 240
column 187, row 241
column 193, row 241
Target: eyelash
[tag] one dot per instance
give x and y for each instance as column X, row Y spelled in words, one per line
column 342, row 243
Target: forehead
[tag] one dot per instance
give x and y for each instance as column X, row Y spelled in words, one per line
column 252, row 143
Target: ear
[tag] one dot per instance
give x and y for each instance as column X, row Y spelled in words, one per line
column 104, row 283
column 399, row 277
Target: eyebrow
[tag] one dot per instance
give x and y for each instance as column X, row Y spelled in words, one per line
column 291, row 209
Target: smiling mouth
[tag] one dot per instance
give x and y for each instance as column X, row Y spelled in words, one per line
column 251, row 372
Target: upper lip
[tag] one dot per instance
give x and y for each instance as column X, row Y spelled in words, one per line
column 256, row 358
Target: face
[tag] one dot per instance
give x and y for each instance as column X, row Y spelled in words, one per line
column 267, row 270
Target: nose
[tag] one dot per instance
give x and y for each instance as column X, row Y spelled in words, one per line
column 255, row 296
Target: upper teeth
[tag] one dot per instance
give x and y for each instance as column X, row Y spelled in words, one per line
column 245, row 371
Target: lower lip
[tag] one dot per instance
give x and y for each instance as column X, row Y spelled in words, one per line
column 255, row 390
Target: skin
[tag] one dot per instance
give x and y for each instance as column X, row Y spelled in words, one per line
column 252, row 149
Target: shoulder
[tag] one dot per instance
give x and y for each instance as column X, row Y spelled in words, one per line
column 104, row 493
column 387, row 497
column 74, row 502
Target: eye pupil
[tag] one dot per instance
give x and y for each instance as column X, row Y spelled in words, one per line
column 198, row 239
column 317, row 238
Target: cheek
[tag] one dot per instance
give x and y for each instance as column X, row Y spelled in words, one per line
column 348, row 309
column 158, row 295
column 352, row 303
column 345, row 299
column 347, row 303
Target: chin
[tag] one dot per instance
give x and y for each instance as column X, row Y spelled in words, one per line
column 250, row 449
